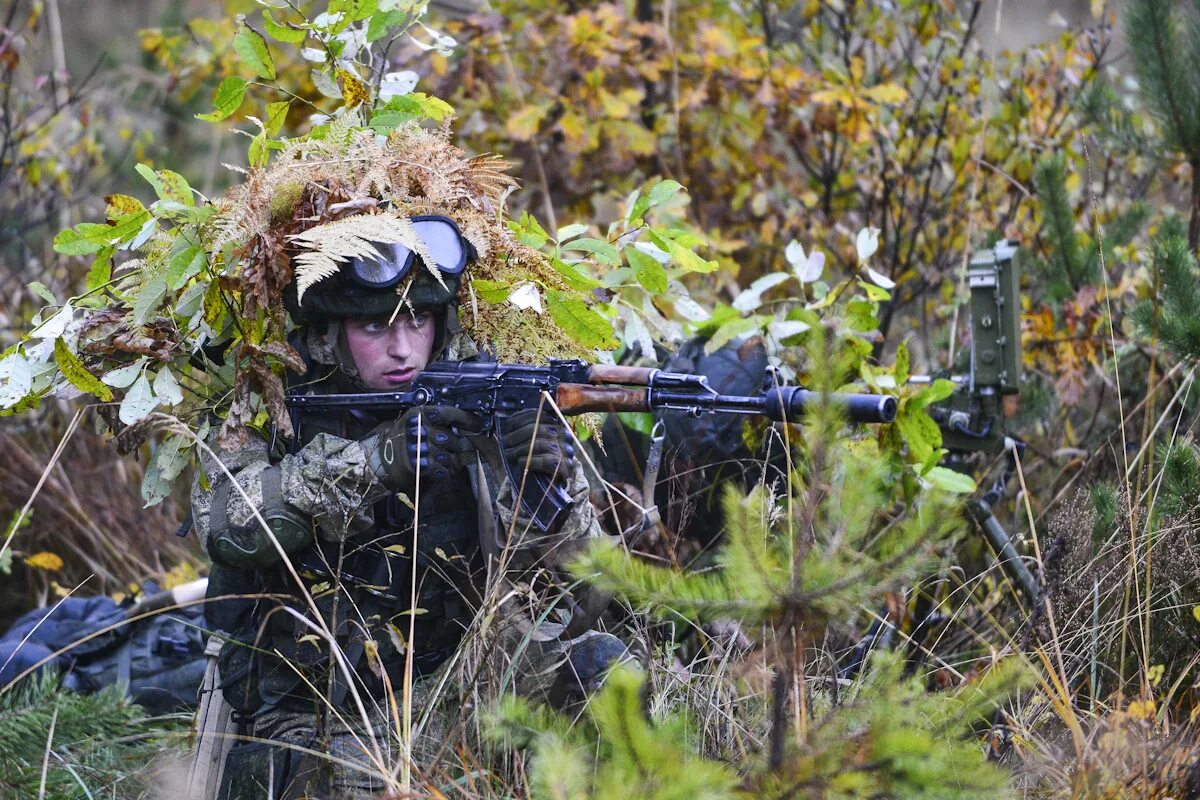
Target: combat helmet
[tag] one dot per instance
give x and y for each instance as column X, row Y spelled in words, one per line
column 390, row 275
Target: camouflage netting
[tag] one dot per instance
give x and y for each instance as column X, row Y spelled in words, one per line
column 319, row 200
column 413, row 171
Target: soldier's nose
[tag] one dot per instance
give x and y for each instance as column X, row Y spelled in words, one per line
column 398, row 345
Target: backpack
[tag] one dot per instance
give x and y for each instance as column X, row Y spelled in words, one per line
column 159, row 658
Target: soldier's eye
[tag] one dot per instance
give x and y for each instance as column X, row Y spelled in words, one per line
column 419, row 321
column 376, row 327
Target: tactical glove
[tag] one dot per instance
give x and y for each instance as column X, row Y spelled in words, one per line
column 431, row 436
column 552, row 453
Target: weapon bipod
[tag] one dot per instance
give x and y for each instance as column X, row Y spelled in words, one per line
column 882, row 631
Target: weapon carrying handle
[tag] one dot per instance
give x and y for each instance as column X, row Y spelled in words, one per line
column 577, row 398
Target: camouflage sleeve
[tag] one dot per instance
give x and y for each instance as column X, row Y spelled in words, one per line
column 328, row 484
column 523, row 537
column 532, row 625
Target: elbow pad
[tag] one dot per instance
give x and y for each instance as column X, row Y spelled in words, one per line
column 250, row 547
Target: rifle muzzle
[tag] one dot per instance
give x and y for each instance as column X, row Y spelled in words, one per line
column 789, row 402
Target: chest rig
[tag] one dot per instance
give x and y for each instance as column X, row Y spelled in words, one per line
column 370, row 594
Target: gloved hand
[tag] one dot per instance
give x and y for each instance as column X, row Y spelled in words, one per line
column 552, row 455
column 430, row 435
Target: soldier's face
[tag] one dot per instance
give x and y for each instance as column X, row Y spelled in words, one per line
column 389, row 356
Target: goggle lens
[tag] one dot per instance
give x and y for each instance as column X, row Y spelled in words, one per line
column 442, row 240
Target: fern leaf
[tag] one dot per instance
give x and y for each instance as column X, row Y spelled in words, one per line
column 333, row 243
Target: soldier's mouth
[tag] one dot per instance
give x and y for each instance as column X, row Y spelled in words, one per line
column 400, row 375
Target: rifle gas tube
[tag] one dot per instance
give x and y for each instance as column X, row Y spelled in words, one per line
column 496, row 391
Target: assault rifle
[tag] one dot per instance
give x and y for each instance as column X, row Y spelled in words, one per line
column 496, row 391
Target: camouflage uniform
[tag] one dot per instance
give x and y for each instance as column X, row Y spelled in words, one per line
column 351, row 543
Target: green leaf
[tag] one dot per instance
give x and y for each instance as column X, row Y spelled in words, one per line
column 381, row 24
column 39, row 288
column 683, row 238
column 252, row 47
column 730, row 331
column 258, row 151
column 227, row 99
column 166, row 388
column 74, row 371
column 353, row 10
column 570, row 232
column 276, row 116
column 491, row 291
column 876, row 294
column 640, row 421
column 719, row 316
column 900, row 372
column 169, row 186
column 101, row 271
column 84, row 239
column 183, row 266
column 950, row 481
column 580, row 322
column 138, row 401
column 91, row 237
column 647, row 271
column 638, row 204
column 528, row 230
column 663, row 191
column 408, row 107
column 282, row 33
column 860, row 315
column 148, row 298
column 576, row 275
column 920, row 431
column 435, row 108
column 935, row 392
column 603, row 251
column 688, row 260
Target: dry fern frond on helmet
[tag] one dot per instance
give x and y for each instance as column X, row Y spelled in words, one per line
column 333, row 243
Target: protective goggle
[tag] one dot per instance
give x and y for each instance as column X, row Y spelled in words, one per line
column 443, row 241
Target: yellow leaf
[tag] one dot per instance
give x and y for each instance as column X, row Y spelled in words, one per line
column 45, row 560
column 574, row 127
column 1142, row 709
column 833, row 97
column 75, row 372
column 118, row 206
column 1196, row 613
column 886, row 93
column 614, row 107
column 309, row 637
column 179, row 575
column 354, row 90
column 524, row 124
column 395, row 548
column 1155, row 673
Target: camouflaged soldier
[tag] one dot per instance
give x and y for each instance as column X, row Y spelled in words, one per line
column 343, row 503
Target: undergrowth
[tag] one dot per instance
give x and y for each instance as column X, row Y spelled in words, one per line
column 61, row 745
